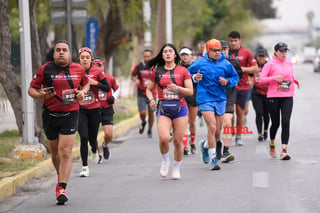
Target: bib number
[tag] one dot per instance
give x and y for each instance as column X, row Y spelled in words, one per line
column 284, row 86
column 102, row 95
column 69, row 96
column 170, row 94
column 88, row 99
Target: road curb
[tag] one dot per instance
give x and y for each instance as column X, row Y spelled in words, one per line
column 9, row 185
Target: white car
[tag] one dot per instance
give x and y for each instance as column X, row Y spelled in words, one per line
column 316, row 62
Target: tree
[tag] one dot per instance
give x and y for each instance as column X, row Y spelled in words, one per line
column 262, row 9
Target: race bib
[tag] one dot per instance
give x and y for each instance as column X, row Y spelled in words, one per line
column 170, row 94
column 284, row 86
column 88, row 99
column 69, row 96
column 145, row 82
column 102, row 95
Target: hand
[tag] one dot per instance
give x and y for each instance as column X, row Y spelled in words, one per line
column 110, row 100
column 80, row 94
column 153, row 104
column 172, row 86
column 46, row 94
column 279, row 78
column 297, row 82
column 223, row 81
column 198, row 76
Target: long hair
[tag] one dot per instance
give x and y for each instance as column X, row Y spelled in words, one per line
column 158, row 60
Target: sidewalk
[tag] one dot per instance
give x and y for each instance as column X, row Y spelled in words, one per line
column 9, row 185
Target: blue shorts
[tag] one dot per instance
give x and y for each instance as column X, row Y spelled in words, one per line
column 219, row 107
column 183, row 112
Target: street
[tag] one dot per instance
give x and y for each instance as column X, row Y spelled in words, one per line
column 254, row 182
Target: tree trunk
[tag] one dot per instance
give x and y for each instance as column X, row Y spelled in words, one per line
column 10, row 81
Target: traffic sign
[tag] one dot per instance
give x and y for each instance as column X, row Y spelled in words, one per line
column 92, row 30
column 59, row 15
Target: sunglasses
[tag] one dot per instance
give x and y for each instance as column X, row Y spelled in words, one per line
column 215, row 49
column 86, row 49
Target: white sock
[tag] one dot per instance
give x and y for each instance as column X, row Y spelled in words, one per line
column 165, row 157
column 176, row 164
column 212, row 152
column 206, row 145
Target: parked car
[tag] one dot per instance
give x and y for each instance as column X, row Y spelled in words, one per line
column 316, row 62
column 309, row 54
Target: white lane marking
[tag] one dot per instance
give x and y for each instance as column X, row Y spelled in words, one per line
column 260, row 179
column 261, row 149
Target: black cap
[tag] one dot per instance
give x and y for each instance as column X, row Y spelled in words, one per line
column 262, row 52
column 224, row 44
column 281, row 46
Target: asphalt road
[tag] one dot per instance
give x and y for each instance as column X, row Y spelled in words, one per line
column 254, row 182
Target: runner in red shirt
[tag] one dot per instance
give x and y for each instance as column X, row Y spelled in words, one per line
column 249, row 66
column 61, row 84
column 141, row 75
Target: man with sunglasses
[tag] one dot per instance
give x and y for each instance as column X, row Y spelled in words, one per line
column 249, row 66
column 68, row 84
column 213, row 74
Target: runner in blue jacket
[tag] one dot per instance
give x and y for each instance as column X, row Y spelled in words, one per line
column 213, row 73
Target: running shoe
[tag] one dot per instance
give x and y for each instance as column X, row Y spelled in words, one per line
column 272, row 151
column 260, row 138
column 106, row 152
column 85, row 172
column 219, row 150
column 193, row 148
column 202, row 122
column 214, row 164
column 100, row 159
column 176, row 174
column 284, row 156
column 204, row 152
column 185, row 150
column 95, row 157
column 61, row 196
column 164, row 169
column 239, row 142
column 227, row 157
column 149, row 133
column 141, row 128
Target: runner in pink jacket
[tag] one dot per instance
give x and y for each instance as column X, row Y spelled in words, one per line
column 278, row 73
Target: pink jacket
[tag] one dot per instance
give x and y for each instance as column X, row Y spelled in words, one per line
column 269, row 75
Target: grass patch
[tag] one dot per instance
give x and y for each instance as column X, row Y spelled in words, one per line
column 8, row 140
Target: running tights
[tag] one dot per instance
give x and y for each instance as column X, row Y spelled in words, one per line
column 89, row 121
column 283, row 106
column 259, row 103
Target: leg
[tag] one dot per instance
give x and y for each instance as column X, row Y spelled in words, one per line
column 274, row 110
column 66, row 143
column 84, row 138
column 209, row 117
column 53, row 147
column 257, row 102
column 286, row 110
column 192, row 127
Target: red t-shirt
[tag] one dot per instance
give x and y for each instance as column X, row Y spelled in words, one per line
column 50, row 74
column 140, row 71
column 180, row 74
column 113, row 87
column 91, row 101
column 246, row 59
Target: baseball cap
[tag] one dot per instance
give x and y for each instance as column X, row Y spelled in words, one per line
column 281, row 46
column 98, row 60
column 213, row 44
column 262, row 52
column 185, row 50
column 224, row 44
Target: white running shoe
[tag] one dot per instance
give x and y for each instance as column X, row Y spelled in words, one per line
column 176, row 174
column 85, row 172
column 95, row 157
column 164, row 169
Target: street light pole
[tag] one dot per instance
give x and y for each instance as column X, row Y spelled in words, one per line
column 169, row 21
column 26, row 74
column 69, row 16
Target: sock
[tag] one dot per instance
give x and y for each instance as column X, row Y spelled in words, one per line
column 63, row 185
column 165, row 157
column 192, row 138
column 212, row 153
column 176, row 165
column 206, row 145
column 185, row 140
column 225, row 149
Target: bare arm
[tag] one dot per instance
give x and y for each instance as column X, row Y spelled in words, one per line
column 149, row 95
column 40, row 94
column 250, row 70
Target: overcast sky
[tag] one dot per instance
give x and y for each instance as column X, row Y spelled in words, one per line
column 292, row 13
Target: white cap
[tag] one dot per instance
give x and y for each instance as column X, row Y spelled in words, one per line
column 185, row 51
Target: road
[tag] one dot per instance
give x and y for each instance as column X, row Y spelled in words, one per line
column 254, row 182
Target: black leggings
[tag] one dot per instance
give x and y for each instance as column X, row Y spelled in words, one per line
column 259, row 103
column 89, row 121
column 284, row 106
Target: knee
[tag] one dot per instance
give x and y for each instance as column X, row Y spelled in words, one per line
column 65, row 152
column 212, row 128
column 164, row 138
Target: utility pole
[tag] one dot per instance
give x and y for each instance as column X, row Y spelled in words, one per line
column 169, row 21
column 26, row 73
column 147, row 18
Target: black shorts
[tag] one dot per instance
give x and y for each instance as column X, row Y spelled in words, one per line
column 191, row 101
column 55, row 123
column 107, row 116
column 242, row 98
column 231, row 99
